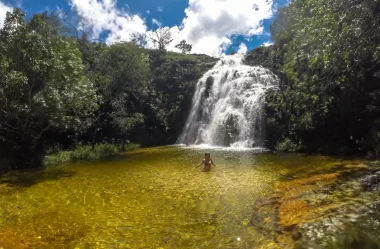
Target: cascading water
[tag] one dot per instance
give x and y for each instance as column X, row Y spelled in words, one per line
column 227, row 107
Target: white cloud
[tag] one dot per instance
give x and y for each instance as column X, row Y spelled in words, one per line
column 3, row 12
column 267, row 44
column 242, row 49
column 208, row 25
column 104, row 16
column 148, row 12
column 156, row 22
column 160, row 9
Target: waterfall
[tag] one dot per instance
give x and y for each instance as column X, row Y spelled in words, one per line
column 227, row 108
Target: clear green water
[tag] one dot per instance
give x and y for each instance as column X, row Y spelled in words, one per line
column 146, row 198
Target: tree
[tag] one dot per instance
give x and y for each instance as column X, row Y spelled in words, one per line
column 121, row 73
column 42, row 86
column 161, row 38
column 329, row 50
column 184, row 47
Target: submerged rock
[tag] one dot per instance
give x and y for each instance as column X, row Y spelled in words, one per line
column 371, row 182
column 296, row 233
column 310, row 208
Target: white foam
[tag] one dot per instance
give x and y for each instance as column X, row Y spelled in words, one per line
column 221, row 148
column 229, row 112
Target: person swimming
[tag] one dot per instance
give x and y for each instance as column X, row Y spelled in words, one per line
column 207, row 162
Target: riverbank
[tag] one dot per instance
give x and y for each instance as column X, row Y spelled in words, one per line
column 87, row 153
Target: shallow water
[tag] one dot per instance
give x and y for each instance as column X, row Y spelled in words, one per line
column 148, row 198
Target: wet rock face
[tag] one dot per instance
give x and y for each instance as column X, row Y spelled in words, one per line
column 209, row 84
column 232, row 130
column 265, row 217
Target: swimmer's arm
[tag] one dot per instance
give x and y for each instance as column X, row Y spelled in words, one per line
column 199, row 164
column 212, row 162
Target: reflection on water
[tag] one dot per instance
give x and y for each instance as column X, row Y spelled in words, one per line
column 28, row 178
column 149, row 198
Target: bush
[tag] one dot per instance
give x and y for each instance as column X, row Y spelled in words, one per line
column 61, row 157
column 104, row 150
column 83, row 152
column 288, row 145
column 86, row 152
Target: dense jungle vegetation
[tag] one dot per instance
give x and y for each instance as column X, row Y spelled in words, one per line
column 327, row 53
column 58, row 90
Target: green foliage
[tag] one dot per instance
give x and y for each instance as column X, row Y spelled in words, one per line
column 42, row 85
column 86, row 152
column 288, row 146
column 58, row 90
column 330, row 54
column 121, row 73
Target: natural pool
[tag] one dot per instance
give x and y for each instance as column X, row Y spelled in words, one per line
column 154, row 198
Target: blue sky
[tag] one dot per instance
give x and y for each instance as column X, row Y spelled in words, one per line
column 213, row 27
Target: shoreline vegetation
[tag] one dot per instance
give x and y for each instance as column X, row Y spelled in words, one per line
column 86, row 153
column 328, row 99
